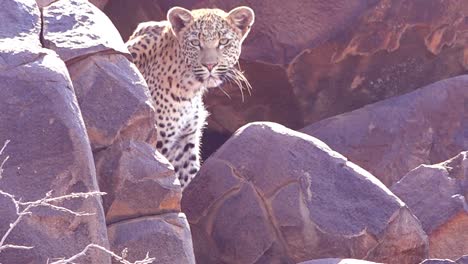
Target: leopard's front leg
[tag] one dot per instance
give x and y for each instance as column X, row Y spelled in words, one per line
column 186, row 158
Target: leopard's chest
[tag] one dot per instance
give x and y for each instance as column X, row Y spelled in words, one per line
column 177, row 119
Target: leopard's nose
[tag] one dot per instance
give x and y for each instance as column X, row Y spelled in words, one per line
column 210, row 66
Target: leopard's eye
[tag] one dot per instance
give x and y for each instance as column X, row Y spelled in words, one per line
column 195, row 42
column 223, row 41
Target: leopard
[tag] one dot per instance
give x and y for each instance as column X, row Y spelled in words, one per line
column 180, row 59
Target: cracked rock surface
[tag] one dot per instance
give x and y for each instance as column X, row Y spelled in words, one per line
column 436, row 194
column 273, row 195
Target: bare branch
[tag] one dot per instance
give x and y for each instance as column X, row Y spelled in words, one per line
column 7, row 246
column 24, row 208
column 5, row 159
column 122, row 260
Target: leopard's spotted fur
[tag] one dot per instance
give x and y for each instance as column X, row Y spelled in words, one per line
column 179, row 59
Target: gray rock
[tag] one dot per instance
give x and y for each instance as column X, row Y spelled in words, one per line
column 436, row 194
column 49, row 151
column 20, row 23
column 273, row 195
column 114, row 99
column 166, row 238
column 138, row 181
column 76, row 28
column 392, row 137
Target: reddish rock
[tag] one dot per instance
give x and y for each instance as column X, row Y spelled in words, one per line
column 138, row 181
column 49, row 151
column 393, row 48
column 436, row 194
column 271, row 99
column 333, row 56
column 392, row 137
column 166, row 238
column 127, row 14
column 69, row 28
column 273, row 195
column 99, row 3
column 337, row 261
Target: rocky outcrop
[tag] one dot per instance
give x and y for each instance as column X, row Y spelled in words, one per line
column 119, row 117
column 272, row 195
column 392, row 137
column 436, row 194
column 330, row 57
column 49, row 148
column 166, row 235
column 87, row 105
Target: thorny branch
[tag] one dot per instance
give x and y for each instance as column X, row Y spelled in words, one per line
column 24, row 209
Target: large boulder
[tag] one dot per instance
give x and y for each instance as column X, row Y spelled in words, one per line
column 49, row 148
column 391, row 49
column 392, row 137
column 436, row 194
column 273, row 195
column 167, row 238
column 69, row 28
column 112, row 94
column 119, row 116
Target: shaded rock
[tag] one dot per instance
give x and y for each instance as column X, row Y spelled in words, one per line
column 49, row 151
column 114, row 99
column 336, row 261
column 127, row 14
column 138, row 181
column 391, row 49
column 436, row 194
column 438, row 261
column 271, row 99
column 166, row 238
column 282, row 29
column 273, row 195
column 77, row 28
column 99, row 3
column 392, row 137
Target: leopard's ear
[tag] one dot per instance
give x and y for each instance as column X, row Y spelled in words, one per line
column 179, row 18
column 243, row 18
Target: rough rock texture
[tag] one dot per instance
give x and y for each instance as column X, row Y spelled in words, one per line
column 436, row 194
column 463, row 260
column 49, row 148
column 273, row 195
column 76, row 28
column 337, row 261
column 108, row 84
column 105, row 82
column 395, row 47
column 392, row 137
column 333, row 56
column 167, row 238
column 119, row 117
column 138, row 181
column 438, row 261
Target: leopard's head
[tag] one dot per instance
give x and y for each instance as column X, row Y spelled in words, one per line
column 211, row 40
